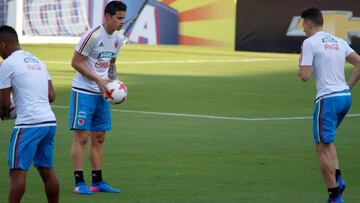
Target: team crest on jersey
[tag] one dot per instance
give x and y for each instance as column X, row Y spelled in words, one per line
column 116, row 44
column 81, row 121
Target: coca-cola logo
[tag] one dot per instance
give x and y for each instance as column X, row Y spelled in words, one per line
column 102, row 64
column 332, row 47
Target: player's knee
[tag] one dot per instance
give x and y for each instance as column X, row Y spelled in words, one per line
column 100, row 139
column 322, row 148
column 319, row 149
column 81, row 142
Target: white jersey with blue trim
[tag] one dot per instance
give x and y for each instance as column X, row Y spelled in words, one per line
column 28, row 78
column 327, row 55
column 99, row 47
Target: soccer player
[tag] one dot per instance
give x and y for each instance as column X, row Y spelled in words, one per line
column 89, row 114
column 32, row 140
column 324, row 56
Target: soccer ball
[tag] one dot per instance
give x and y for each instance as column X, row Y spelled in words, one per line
column 116, row 92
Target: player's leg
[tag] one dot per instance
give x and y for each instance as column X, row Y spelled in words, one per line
column 22, row 148
column 96, row 149
column 101, row 123
column 343, row 105
column 81, row 109
column 44, row 162
column 326, row 120
column 325, row 152
column 17, row 185
column 78, row 149
column 51, row 184
column 77, row 154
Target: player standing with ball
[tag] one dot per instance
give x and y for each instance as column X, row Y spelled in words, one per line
column 89, row 114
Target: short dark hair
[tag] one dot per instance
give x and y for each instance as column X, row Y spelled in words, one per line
column 8, row 33
column 314, row 15
column 113, row 6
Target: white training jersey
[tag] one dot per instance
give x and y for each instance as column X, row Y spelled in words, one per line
column 327, row 55
column 99, row 47
column 28, row 78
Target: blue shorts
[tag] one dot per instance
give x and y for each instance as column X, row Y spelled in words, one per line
column 329, row 111
column 31, row 144
column 89, row 112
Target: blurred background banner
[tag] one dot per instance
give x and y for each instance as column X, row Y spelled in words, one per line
column 275, row 26
column 3, row 11
column 206, row 22
column 196, row 22
column 184, row 22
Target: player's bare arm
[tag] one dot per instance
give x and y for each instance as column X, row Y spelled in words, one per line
column 5, row 102
column 304, row 73
column 354, row 59
column 112, row 74
column 51, row 93
column 78, row 64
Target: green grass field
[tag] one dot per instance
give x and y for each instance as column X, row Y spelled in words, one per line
column 183, row 157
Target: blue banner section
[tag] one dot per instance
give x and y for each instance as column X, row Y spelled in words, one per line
column 151, row 22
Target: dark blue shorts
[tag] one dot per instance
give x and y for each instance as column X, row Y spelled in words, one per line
column 329, row 111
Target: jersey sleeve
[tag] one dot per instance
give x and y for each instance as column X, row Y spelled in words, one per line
column 48, row 74
column 348, row 49
column 307, row 55
column 87, row 42
column 6, row 72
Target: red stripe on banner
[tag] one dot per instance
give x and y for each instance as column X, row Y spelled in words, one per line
column 188, row 40
column 168, row 1
column 17, row 148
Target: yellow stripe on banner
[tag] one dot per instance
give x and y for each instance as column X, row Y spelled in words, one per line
column 14, row 148
column 182, row 6
column 76, row 108
column 318, row 120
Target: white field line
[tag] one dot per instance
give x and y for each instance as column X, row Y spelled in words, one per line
column 192, row 61
column 212, row 117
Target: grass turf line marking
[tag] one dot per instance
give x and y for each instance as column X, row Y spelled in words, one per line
column 190, row 61
column 212, row 117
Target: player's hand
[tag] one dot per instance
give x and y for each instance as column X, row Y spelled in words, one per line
column 101, row 83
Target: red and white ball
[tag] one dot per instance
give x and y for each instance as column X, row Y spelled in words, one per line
column 116, row 92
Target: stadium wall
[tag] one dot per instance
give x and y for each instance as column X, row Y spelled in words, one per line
column 274, row 26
